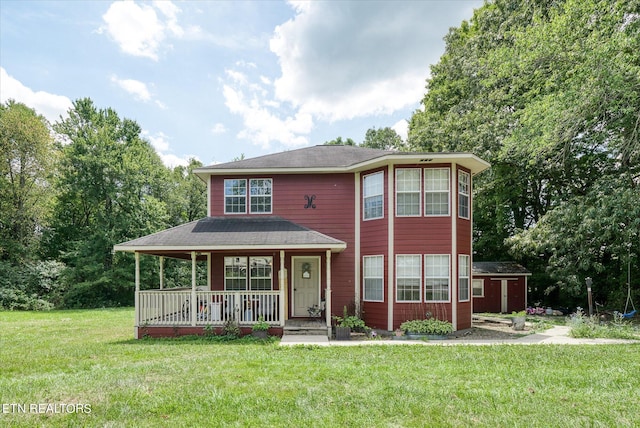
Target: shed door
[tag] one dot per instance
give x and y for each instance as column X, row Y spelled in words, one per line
column 504, row 301
column 306, row 284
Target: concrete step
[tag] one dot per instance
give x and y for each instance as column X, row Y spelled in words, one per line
column 308, row 331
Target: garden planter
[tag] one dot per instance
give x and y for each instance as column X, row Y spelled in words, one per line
column 518, row 323
column 343, row 333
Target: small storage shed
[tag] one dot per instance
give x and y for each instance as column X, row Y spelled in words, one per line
column 499, row 287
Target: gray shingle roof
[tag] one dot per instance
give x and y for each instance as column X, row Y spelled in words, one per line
column 221, row 233
column 325, row 156
column 499, row 268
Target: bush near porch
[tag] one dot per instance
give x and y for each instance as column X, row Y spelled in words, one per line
column 90, row 357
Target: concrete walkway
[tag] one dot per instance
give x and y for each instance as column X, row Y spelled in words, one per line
column 558, row 335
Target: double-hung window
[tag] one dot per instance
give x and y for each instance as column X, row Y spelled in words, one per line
column 260, row 195
column 463, row 278
column 463, row 194
column 248, row 273
column 372, row 195
column 235, row 196
column 407, row 192
column 436, row 191
column 408, row 268
column 437, row 270
column 373, row 275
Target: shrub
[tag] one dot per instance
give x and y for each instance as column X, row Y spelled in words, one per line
column 430, row 326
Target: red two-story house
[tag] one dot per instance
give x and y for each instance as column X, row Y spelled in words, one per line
column 307, row 232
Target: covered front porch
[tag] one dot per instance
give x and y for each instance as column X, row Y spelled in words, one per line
column 292, row 265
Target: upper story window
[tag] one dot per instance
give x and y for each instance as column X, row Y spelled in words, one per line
column 372, row 195
column 463, row 194
column 259, row 194
column 436, row 191
column 407, row 192
column 235, row 196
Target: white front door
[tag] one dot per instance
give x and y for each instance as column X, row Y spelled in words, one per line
column 306, row 284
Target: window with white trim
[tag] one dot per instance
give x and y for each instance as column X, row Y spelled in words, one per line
column 408, row 274
column 372, row 195
column 436, row 191
column 407, row 192
column 373, row 276
column 463, row 278
column 248, row 273
column 478, row 288
column 260, row 195
column 464, row 179
column 235, row 196
column 436, row 282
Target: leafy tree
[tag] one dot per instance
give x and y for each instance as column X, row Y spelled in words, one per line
column 339, row 142
column 549, row 92
column 383, row 139
column 112, row 187
column 188, row 196
column 26, row 164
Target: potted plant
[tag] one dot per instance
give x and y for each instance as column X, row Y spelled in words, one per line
column 260, row 329
column 518, row 320
column 427, row 329
column 346, row 323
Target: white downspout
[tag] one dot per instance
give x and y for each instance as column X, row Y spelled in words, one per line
column 454, row 246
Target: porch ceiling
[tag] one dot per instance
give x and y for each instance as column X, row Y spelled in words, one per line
column 233, row 233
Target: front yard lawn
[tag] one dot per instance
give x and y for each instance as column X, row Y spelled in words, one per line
column 89, row 357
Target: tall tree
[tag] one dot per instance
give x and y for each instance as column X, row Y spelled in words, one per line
column 112, row 186
column 548, row 91
column 26, row 165
column 383, row 139
column 340, row 142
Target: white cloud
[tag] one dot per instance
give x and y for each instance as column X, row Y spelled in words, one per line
column 49, row 105
column 160, row 143
column 264, row 124
column 138, row 89
column 402, row 128
column 139, row 30
column 341, row 60
column 135, row 87
column 218, row 128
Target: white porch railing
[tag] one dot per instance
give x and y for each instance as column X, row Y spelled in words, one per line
column 174, row 307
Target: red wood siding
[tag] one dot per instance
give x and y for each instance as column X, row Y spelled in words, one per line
column 492, row 300
column 333, row 215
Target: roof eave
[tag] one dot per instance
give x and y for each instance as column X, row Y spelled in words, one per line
column 475, row 164
column 335, row 248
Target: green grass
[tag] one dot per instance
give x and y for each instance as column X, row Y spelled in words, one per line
column 89, row 357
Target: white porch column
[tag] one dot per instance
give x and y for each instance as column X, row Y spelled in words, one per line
column 161, row 272
column 391, row 249
column 327, row 296
column 209, row 271
column 282, row 284
column 194, row 304
column 137, row 292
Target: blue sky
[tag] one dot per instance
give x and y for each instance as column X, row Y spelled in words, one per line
column 217, row 79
